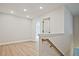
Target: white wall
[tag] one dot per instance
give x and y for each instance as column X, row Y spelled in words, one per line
column 14, row 28
column 76, row 31
column 61, row 21
column 68, row 30
column 35, row 27
column 56, row 20
column 56, row 27
column 68, row 21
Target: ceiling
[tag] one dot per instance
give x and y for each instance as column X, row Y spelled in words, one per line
column 73, row 8
column 33, row 9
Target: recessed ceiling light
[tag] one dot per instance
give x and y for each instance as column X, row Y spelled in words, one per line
column 25, row 9
column 27, row 16
column 41, row 8
column 11, row 11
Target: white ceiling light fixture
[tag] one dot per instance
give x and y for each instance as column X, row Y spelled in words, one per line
column 28, row 16
column 11, row 11
column 41, row 8
column 25, row 10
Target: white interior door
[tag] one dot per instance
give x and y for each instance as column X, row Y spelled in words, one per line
column 47, row 25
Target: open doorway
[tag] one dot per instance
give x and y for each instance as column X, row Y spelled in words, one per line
column 37, row 32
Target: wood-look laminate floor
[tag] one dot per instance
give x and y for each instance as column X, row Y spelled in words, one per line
column 19, row 49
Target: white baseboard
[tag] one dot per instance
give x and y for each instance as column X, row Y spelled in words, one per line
column 13, row 42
